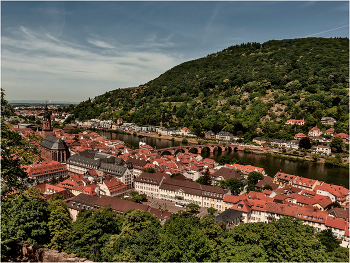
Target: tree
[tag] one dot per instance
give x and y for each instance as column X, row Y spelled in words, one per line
column 25, row 217
column 334, row 204
column 267, row 187
column 90, row 232
column 192, row 208
column 327, row 239
column 60, row 178
column 183, row 240
column 138, row 239
column 205, row 179
column 233, row 184
column 15, row 152
column 315, row 157
column 224, row 160
column 216, row 128
column 137, row 220
column 149, row 170
column 284, row 240
column 337, row 144
column 59, row 224
column 53, row 180
column 211, row 210
column 134, row 193
column 173, row 175
column 254, row 177
column 305, row 143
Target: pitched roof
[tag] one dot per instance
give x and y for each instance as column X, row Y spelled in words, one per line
column 53, row 143
column 148, row 178
column 267, row 181
column 282, row 209
column 227, row 173
column 82, row 201
column 118, row 204
column 339, row 212
column 335, row 222
column 114, row 185
column 228, row 215
column 284, row 176
column 194, row 188
column 233, row 199
column 312, row 214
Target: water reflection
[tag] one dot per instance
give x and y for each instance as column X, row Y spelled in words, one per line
column 272, row 165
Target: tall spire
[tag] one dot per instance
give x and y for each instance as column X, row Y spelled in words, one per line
column 47, row 128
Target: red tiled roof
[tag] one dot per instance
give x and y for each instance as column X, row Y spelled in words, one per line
column 335, row 222
column 282, row 209
column 285, row 176
column 114, row 185
column 342, row 135
column 312, row 214
column 233, row 199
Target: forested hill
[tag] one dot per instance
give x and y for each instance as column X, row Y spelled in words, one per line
column 249, row 89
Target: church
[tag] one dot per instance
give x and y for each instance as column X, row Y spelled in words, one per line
column 51, row 147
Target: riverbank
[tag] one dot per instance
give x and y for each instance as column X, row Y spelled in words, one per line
column 166, row 137
column 272, row 164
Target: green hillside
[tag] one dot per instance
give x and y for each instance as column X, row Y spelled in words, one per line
column 249, row 89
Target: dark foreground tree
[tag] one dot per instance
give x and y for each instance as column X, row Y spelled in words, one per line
column 90, row 233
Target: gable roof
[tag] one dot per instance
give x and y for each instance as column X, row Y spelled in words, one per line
column 228, row 215
column 118, row 204
column 53, row 143
column 227, row 173
column 335, row 222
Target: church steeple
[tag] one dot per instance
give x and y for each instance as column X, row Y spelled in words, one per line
column 47, row 128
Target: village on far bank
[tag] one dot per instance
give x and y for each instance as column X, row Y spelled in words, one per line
column 90, row 171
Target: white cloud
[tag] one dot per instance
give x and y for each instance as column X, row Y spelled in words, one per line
column 99, row 43
column 39, row 60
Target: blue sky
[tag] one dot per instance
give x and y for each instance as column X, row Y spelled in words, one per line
column 70, row 51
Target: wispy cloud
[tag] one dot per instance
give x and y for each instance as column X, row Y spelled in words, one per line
column 99, row 43
column 36, row 54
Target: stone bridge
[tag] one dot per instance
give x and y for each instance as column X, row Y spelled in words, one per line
column 199, row 148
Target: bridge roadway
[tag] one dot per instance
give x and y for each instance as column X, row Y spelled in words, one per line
column 199, row 148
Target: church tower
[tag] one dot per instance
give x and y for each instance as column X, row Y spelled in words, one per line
column 47, row 128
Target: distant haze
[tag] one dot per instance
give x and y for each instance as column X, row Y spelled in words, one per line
column 41, row 102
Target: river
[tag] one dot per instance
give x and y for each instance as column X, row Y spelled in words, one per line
column 272, row 165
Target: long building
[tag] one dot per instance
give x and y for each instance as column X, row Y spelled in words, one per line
column 86, row 160
column 186, row 191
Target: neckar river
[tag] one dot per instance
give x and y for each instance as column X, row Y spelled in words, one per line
column 338, row 176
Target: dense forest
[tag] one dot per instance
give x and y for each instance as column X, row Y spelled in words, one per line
column 138, row 236
column 249, row 89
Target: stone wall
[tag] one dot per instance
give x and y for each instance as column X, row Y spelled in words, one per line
column 26, row 252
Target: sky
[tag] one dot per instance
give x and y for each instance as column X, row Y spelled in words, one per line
column 72, row 51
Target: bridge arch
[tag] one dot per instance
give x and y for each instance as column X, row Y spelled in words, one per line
column 219, row 148
column 205, row 148
column 166, row 152
column 228, row 148
column 195, row 150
